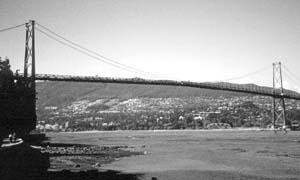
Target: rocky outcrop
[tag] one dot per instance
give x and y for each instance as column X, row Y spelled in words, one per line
column 22, row 161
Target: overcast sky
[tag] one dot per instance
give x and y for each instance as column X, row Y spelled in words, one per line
column 196, row 40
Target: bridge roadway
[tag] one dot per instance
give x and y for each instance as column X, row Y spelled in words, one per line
column 250, row 89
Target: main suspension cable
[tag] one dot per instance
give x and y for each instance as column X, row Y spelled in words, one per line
column 245, row 75
column 97, row 54
column 83, row 52
column 292, row 74
column 12, row 27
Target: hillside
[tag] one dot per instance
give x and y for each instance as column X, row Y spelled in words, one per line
column 72, row 106
column 64, row 93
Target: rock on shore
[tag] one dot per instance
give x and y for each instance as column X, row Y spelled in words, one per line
column 22, row 161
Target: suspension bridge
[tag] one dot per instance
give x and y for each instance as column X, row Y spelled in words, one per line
column 277, row 92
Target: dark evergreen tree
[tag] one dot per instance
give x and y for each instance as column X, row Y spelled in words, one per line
column 17, row 103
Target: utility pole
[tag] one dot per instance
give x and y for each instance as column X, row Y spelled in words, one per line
column 279, row 115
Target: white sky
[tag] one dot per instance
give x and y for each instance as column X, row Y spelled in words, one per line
column 195, row 40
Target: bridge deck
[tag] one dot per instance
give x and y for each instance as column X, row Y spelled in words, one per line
column 250, row 89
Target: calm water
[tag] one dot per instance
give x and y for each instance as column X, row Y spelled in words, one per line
column 192, row 154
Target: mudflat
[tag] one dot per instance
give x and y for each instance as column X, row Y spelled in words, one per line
column 199, row 154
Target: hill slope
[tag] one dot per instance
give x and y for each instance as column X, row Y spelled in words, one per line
column 64, row 93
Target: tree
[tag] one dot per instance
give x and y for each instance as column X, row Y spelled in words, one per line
column 17, row 103
column 6, row 100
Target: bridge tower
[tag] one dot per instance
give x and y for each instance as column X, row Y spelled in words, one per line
column 27, row 119
column 279, row 115
column 29, row 60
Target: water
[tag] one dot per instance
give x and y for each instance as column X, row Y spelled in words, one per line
column 192, row 154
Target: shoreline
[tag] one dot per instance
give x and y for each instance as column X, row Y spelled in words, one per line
column 168, row 130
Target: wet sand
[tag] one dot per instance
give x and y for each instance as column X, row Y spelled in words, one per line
column 193, row 154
